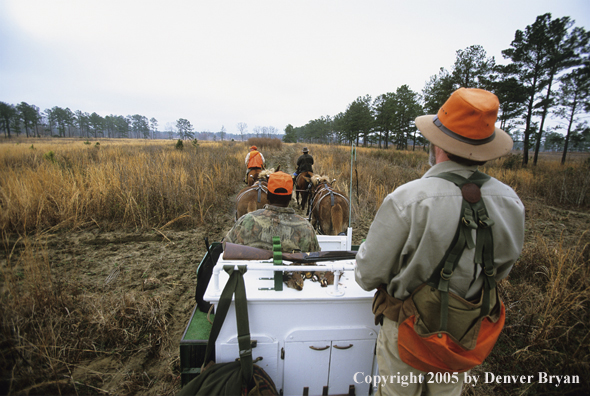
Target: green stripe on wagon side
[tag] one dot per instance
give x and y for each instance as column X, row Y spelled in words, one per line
column 199, row 327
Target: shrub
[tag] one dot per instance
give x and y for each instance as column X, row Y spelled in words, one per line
column 265, row 143
column 512, row 161
column 49, row 156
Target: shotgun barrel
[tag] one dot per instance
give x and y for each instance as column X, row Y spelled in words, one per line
column 233, row 251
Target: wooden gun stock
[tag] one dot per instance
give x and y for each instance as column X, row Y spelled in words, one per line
column 234, row 251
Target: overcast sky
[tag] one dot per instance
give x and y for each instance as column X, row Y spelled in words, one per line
column 265, row 63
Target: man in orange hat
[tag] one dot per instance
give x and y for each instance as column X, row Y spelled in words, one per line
column 411, row 237
column 254, row 160
column 257, row 228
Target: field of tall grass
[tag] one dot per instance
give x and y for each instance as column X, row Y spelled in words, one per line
column 375, row 173
column 114, row 184
column 151, row 183
column 49, row 186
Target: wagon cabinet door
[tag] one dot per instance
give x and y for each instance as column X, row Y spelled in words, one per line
column 349, row 358
column 265, row 353
column 307, row 365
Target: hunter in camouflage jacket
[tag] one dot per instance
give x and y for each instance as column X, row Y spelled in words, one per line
column 257, row 229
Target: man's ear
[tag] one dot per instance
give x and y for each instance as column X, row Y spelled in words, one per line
column 440, row 154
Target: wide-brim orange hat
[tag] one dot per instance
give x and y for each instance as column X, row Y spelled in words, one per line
column 280, row 180
column 253, row 148
column 465, row 126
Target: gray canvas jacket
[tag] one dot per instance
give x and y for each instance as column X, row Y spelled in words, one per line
column 415, row 225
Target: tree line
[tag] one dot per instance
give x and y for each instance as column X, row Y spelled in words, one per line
column 27, row 119
column 60, row 122
column 546, row 77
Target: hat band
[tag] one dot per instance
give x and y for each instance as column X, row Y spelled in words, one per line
column 463, row 139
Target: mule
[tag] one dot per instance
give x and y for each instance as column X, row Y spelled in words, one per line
column 251, row 198
column 254, row 197
column 302, row 186
column 328, row 208
column 253, row 175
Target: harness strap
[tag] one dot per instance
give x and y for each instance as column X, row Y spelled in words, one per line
column 474, row 215
column 258, row 186
column 312, row 202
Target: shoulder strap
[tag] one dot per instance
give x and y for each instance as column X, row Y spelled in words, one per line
column 234, row 284
column 474, row 215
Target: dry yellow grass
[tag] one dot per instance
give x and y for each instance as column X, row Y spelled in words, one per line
column 547, row 330
column 51, row 185
column 143, row 184
column 378, row 171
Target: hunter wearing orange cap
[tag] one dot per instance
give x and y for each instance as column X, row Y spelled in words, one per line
column 275, row 219
column 416, row 258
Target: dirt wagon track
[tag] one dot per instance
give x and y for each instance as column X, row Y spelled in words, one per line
column 159, row 266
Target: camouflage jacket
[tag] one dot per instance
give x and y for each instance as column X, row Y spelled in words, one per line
column 257, row 228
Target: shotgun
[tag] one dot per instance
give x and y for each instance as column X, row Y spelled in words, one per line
column 234, row 251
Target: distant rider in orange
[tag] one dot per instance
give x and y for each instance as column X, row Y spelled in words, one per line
column 254, row 160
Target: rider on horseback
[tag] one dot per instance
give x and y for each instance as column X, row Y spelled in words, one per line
column 254, row 160
column 304, row 163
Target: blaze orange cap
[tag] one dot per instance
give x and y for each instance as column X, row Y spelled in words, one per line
column 465, row 126
column 280, row 180
column 469, row 114
column 253, row 148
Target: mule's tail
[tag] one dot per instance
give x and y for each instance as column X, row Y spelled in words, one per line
column 337, row 219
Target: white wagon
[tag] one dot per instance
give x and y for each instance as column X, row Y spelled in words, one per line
column 316, row 341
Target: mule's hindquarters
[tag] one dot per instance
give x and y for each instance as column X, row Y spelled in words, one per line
column 303, row 189
column 332, row 220
column 337, row 217
column 250, row 199
column 304, row 198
